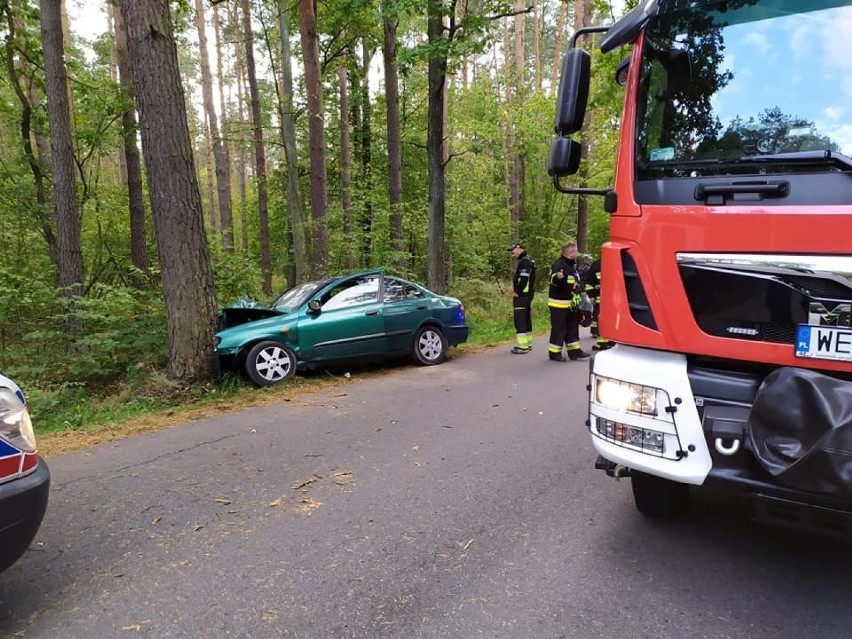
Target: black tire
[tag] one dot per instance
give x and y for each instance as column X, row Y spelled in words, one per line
column 430, row 346
column 658, row 497
column 269, row 363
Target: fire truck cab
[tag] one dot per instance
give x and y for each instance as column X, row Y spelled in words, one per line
column 727, row 278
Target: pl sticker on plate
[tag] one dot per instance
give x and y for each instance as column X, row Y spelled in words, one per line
column 662, row 155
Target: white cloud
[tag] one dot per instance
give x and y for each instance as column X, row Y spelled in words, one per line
column 833, row 113
column 759, row 41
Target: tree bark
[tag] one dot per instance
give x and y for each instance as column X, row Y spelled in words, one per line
column 132, row 161
column 557, row 47
column 538, row 25
column 517, row 172
column 437, row 74
column 43, row 207
column 349, row 258
column 220, row 151
column 209, row 175
column 316, row 131
column 288, row 135
column 366, row 154
column 173, row 186
column 389, row 53
column 259, row 152
column 242, row 165
column 64, row 163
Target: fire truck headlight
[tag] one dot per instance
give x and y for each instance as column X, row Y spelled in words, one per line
column 15, row 425
column 648, row 441
column 626, row 397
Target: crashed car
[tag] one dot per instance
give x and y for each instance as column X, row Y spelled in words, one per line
column 24, row 476
column 362, row 316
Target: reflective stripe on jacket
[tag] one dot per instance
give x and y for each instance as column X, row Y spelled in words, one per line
column 523, row 283
column 565, row 292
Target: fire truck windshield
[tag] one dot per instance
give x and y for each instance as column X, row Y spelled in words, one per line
column 744, row 87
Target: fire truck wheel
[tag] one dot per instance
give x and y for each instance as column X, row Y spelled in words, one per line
column 658, row 497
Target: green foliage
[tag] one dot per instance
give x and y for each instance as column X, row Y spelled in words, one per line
column 488, row 308
column 116, row 329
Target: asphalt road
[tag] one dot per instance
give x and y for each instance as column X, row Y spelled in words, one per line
column 453, row 501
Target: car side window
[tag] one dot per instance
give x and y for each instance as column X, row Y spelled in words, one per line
column 397, row 291
column 352, row 293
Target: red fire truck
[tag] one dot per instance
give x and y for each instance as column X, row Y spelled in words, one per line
column 727, row 278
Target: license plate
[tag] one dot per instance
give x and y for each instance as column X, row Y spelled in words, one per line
column 824, row 342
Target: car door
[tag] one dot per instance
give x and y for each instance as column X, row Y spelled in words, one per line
column 406, row 306
column 348, row 324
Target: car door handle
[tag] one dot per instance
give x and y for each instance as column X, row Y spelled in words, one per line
column 421, row 308
column 371, row 313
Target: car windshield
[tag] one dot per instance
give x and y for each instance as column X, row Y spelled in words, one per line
column 291, row 299
column 741, row 86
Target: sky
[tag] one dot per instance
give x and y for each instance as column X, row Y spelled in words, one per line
column 798, row 63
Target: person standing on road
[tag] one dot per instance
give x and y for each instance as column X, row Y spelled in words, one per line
column 593, row 288
column 564, row 304
column 523, row 285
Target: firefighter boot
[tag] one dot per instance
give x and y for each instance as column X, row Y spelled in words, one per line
column 577, row 353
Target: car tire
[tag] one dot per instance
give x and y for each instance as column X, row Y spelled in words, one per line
column 430, row 346
column 657, row 497
column 270, row 362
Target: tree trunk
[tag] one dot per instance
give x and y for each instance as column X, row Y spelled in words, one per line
column 259, row 152
column 129, row 130
column 389, row 53
column 39, row 179
column 517, row 173
column 288, row 137
column 557, row 47
column 115, row 75
column 538, row 25
column 209, row 174
column 173, row 186
column 437, row 75
column 64, row 164
column 366, row 154
column 316, row 131
column 220, row 151
column 349, row 258
column 241, row 146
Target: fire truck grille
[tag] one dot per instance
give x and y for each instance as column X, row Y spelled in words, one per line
column 762, row 302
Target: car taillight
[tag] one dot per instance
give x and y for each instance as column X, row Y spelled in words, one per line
column 15, row 425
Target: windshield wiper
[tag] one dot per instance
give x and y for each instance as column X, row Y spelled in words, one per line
column 799, row 157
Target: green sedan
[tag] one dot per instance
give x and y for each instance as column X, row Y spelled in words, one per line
column 363, row 316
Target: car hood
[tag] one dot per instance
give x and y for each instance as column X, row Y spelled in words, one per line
column 230, row 317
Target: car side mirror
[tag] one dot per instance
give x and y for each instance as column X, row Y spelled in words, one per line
column 314, row 306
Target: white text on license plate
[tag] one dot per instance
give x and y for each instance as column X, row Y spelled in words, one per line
column 824, row 342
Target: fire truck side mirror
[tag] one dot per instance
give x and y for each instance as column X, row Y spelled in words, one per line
column 564, row 157
column 573, row 92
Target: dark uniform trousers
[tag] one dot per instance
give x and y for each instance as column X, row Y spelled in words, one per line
column 522, row 313
column 564, row 328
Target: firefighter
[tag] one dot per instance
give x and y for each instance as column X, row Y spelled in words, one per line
column 593, row 289
column 564, row 304
column 523, row 285
column 586, row 305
